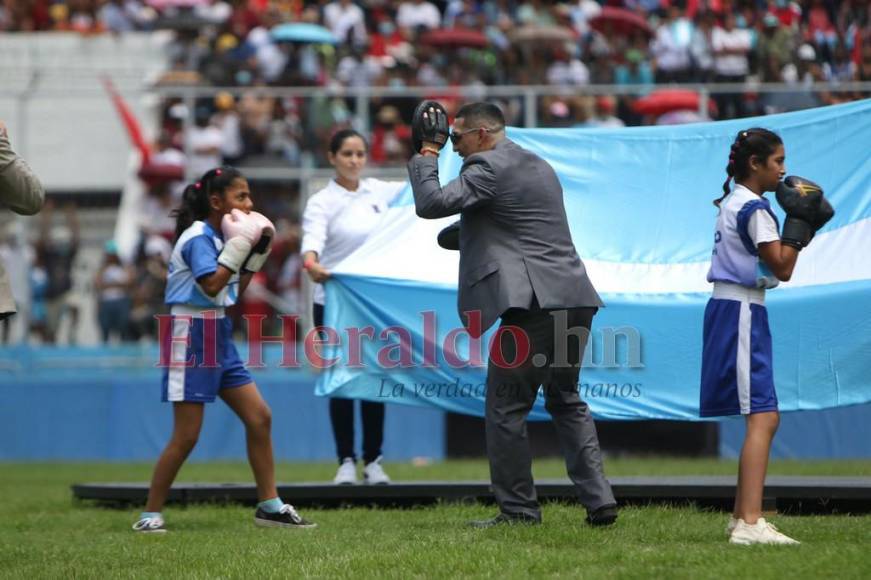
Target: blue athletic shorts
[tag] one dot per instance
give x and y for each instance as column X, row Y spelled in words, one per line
column 737, row 377
column 208, row 363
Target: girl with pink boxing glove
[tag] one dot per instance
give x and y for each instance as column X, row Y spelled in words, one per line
column 220, row 242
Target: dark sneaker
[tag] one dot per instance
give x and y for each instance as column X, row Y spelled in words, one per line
column 508, row 520
column 149, row 526
column 286, row 517
column 603, row 516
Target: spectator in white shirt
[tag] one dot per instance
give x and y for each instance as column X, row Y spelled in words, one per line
column 730, row 46
column 336, row 221
column 346, row 21
column 671, row 47
column 701, row 50
column 356, row 69
column 228, row 122
column 566, row 71
column 203, row 144
column 417, row 14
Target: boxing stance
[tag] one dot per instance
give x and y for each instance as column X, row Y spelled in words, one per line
column 220, row 244
column 518, row 264
column 749, row 257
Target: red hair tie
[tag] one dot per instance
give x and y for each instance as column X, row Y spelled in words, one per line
column 218, row 172
column 198, row 185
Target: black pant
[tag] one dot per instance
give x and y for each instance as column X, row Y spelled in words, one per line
column 553, row 363
column 342, row 419
column 729, row 105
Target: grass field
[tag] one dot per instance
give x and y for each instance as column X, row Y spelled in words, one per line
column 43, row 533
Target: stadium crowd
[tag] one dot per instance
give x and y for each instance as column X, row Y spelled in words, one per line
column 439, row 46
column 467, row 43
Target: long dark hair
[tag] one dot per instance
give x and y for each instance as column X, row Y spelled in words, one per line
column 195, row 199
column 755, row 141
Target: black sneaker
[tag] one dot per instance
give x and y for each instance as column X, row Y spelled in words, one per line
column 149, row 526
column 603, row 516
column 286, row 517
column 507, row 519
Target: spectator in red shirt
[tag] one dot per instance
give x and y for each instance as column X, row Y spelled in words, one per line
column 390, row 137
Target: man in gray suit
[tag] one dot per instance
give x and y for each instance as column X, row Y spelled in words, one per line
column 518, row 262
column 21, row 192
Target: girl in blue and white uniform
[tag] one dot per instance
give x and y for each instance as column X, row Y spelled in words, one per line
column 737, row 378
column 219, row 244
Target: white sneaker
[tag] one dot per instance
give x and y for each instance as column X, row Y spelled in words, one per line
column 374, row 474
column 152, row 525
column 730, row 527
column 347, row 473
column 759, row 533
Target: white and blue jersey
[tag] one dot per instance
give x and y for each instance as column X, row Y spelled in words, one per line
column 195, row 255
column 745, row 221
column 737, row 375
column 201, row 357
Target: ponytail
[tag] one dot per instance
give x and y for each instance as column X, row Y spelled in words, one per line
column 194, row 206
column 748, row 143
column 195, row 199
column 734, row 151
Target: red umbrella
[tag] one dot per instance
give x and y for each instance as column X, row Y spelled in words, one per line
column 156, row 173
column 620, row 21
column 455, row 38
column 667, row 100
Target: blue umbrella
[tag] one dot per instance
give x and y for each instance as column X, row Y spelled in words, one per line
column 302, row 32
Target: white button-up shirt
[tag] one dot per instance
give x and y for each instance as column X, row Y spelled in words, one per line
column 337, row 221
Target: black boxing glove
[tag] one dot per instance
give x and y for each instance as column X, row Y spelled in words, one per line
column 449, row 237
column 801, row 200
column 826, row 213
column 429, row 124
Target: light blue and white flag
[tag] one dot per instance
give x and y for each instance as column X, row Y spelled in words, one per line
column 639, row 204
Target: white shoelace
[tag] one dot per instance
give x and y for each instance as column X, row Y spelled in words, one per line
column 148, row 523
column 288, row 509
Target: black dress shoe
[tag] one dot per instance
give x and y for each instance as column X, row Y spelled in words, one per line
column 603, row 516
column 507, row 519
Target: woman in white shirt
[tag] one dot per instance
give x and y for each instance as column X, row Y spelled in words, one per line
column 337, row 220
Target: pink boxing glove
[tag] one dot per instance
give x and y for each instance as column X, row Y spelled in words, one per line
column 267, row 231
column 260, row 251
column 238, row 223
column 241, row 233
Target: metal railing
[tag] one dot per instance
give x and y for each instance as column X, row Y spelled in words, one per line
column 529, row 93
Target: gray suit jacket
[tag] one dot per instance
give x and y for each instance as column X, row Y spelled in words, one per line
column 514, row 236
column 20, row 191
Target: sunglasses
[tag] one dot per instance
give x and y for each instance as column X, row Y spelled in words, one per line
column 455, row 137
